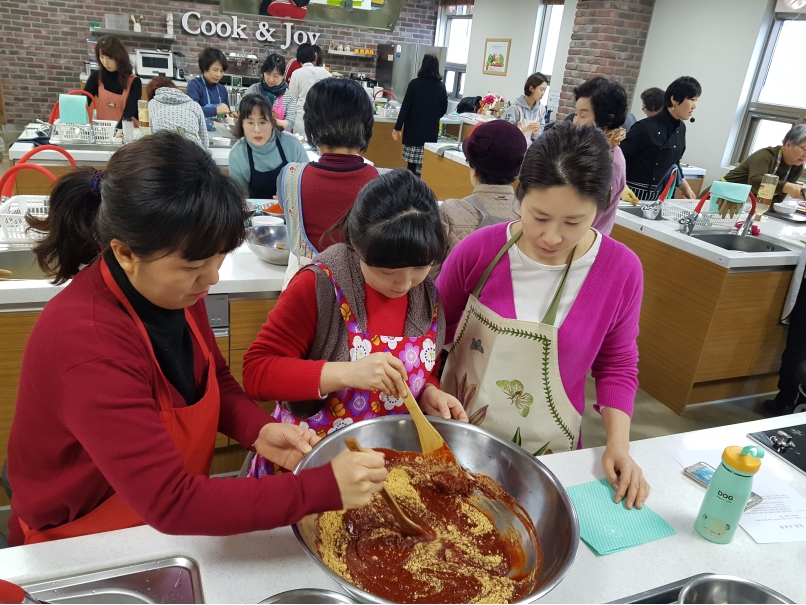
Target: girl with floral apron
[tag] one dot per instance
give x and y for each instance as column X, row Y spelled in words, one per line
column 491, row 370
column 343, row 408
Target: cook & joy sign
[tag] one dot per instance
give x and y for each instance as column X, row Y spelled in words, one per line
column 231, row 28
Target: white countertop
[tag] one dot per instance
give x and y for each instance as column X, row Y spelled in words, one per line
column 252, row 567
column 777, row 231
column 457, row 155
column 98, row 155
column 241, row 273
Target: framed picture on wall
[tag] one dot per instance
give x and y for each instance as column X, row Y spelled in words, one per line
column 496, row 56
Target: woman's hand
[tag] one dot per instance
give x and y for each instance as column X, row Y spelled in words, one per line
column 625, row 476
column 284, row 444
column 283, row 124
column 793, row 189
column 531, row 128
column 376, row 372
column 687, row 191
column 360, row 475
column 396, row 135
column 222, row 108
column 436, row 402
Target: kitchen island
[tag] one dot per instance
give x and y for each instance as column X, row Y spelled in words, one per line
column 252, row 567
column 710, row 318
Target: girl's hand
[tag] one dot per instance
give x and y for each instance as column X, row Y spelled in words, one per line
column 625, row 476
column 376, row 372
column 396, row 135
column 284, row 444
column 436, row 402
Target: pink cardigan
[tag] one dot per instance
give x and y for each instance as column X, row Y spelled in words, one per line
column 604, row 222
column 600, row 330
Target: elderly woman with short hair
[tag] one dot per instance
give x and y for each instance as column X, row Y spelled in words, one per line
column 785, row 160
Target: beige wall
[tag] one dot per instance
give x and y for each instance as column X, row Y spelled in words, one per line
column 515, row 19
column 718, row 42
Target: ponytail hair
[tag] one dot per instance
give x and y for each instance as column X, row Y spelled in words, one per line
column 70, row 241
column 394, row 223
column 159, row 195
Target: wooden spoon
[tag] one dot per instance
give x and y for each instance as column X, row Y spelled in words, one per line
column 407, row 526
column 431, row 441
column 4, row 272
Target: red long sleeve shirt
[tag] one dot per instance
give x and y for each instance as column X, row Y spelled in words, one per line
column 275, row 366
column 87, row 425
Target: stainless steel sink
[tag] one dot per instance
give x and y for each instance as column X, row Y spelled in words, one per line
column 174, row 580
column 738, row 243
column 636, row 211
column 662, row 594
column 21, row 262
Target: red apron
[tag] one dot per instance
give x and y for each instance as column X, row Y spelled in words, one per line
column 193, row 430
column 110, row 106
column 418, row 354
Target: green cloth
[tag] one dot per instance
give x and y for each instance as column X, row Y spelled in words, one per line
column 73, row 109
column 266, row 157
column 760, row 163
column 608, row 527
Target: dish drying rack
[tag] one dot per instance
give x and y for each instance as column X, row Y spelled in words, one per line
column 102, row 131
column 13, row 226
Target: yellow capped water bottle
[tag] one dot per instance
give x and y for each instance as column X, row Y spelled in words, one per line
column 728, row 493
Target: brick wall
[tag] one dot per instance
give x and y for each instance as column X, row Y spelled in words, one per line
column 43, row 42
column 608, row 40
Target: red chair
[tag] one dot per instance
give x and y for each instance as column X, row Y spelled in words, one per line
column 9, row 188
column 54, row 113
column 9, row 178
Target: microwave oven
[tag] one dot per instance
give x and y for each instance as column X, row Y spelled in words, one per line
column 152, row 63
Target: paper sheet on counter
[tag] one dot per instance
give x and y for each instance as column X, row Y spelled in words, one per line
column 781, row 516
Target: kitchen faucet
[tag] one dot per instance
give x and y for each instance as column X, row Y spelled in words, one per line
column 748, row 223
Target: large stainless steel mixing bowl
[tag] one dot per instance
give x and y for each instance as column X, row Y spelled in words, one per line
column 269, row 243
column 522, row 475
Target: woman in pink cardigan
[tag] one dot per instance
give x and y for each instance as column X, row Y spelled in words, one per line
column 533, row 305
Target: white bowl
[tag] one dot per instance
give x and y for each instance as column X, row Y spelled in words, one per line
column 220, row 142
column 784, row 208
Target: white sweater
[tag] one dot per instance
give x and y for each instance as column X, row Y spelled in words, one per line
column 173, row 110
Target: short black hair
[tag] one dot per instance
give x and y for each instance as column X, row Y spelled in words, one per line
column 533, row 81
column 681, row 89
column 486, row 179
column 338, row 113
column 272, row 62
column 306, row 53
column 248, row 103
column 209, row 56
column 608, row 100
column 394, row 223
column 160, row 194
column 566, row 154
column 652, row 99
column 430, row 68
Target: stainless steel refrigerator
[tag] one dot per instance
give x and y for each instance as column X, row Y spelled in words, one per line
column 398, row 65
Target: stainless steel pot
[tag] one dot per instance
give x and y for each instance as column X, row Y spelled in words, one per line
column 522, row 475
column 728, row 589
column 309, row 595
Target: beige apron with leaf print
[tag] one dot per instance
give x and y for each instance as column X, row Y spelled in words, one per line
column 506, row 373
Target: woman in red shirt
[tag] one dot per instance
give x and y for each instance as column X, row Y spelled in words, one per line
column 338, row 121
column 120, row 429
column 363, row 323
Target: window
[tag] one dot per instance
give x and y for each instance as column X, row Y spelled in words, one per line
column 453, row 31
column 548, row 21
column 778, row 99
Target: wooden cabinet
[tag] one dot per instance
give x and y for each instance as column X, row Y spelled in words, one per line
column 383, row 151
column 706, row 333
column 448, row 179
column 14, row 331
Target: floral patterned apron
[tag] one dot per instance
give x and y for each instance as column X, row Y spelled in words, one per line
column 506, row 373
column 418, row 354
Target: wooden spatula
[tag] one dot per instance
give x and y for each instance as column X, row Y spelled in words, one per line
column 431, row 441
column 407, row 526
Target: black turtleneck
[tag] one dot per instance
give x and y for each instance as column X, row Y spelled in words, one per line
column 653, row 145
column 168, row 331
